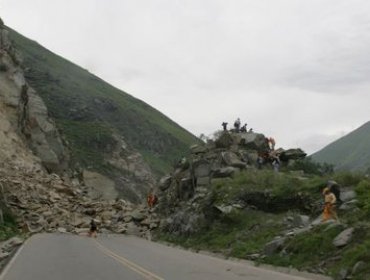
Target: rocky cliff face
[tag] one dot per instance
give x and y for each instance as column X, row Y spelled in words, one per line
column 186, row 196
column 25, row 123
column 24, row 112
column 32, row 152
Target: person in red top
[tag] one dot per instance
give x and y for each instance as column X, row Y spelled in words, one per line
column 151, row 199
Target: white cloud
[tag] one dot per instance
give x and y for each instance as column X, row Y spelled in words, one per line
column 297, row 70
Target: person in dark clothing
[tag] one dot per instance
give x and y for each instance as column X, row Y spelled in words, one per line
column 224, row 125
column 260, row 162
column 243, row 128
column 237, row 125
column 93, row 229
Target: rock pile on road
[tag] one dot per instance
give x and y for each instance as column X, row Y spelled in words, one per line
column 47, row 203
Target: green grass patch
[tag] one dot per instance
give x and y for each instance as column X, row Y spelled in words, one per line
column 237, row 234
column 276, row 184
column 308, row 249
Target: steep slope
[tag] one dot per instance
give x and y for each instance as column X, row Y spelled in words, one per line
column 24, row 120
column 90, row 111
column 351, row 152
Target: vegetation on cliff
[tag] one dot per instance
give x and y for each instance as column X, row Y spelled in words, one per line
column 76, row 98
column 222, row 199
column 256, row 208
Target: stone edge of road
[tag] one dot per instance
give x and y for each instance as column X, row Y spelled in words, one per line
column 13, row 257
column 287, row 270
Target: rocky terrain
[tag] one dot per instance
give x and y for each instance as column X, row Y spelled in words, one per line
column 191, row 182
column 221, row 199
column 37, row 186
column 25, row 120
column 235, row 195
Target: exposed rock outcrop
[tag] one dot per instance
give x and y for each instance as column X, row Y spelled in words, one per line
column 186, row 194
column 25, row 118
column 26, row 111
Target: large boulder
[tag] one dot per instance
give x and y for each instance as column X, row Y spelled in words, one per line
column 165, row 182
column 224, row 141
column 231, row 159
column 224, row 172
column 202, row 168
column 292, row 154
column 198, row 149
column 274, row 246
column 186, row 188
column 183, row 222
column 343, row 238
column 99, row 185
column 253, row 141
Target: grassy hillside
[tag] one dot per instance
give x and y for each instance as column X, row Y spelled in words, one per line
column 351, row 152
column 87, row 110
column 267, row 207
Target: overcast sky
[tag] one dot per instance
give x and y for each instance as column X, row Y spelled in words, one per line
column 295, row 70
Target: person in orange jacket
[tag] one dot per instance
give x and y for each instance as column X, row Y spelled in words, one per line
column 329, row 207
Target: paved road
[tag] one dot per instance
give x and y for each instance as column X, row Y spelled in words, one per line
column 113, row 257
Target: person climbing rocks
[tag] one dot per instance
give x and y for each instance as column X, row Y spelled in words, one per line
column 224, row 125
column 244, row 128
column 151, row 199
column 329, row 206
column 260, row 161
column 237, row 125
column 276, row 163
column 93, row 229
column 271, row 142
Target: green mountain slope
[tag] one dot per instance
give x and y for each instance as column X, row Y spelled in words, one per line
column 351, row 152
column 89, row 110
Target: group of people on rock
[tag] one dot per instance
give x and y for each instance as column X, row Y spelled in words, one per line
column 237, row 126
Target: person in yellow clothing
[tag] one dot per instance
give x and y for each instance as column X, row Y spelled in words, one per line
column 329, row 208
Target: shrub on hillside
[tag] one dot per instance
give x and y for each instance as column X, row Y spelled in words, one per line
column 3, row 67
column 363, row 192
column 308, row 166
column 347, row 178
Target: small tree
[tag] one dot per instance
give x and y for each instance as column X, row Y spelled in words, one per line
column 203, row 137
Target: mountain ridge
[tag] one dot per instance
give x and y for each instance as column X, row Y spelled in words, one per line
column 350, row 152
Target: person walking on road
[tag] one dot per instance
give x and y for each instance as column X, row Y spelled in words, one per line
column 93, row 229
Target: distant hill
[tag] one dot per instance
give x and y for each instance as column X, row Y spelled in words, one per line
column 89, row 111
column 351, row 152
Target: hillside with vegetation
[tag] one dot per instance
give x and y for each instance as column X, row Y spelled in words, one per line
column 90, row 113
column 351, row 152
column 224, row 200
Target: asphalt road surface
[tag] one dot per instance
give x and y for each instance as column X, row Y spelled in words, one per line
column 114, row 257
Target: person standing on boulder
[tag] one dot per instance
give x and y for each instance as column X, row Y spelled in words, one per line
column 237, row 125
column 329, row 207
column 272, row 143
column 224, row 125
column 244, row 128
